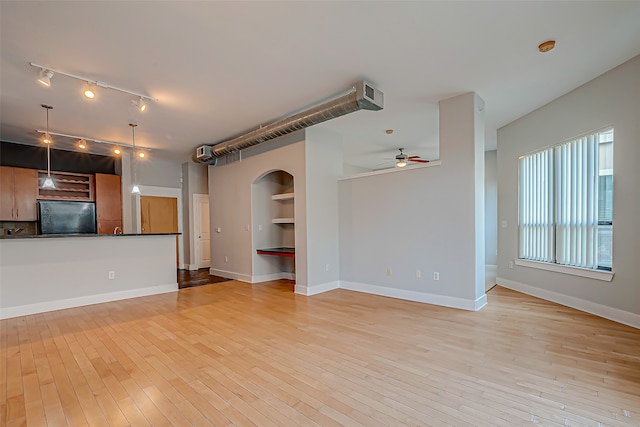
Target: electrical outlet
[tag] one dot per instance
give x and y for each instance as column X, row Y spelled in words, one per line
column 436, row 275
column 418, row 274
column 510, row 264
column 260, row 227
column 327, row 267
column 246, row 228
column 112, row 275
column 389, row 272
column 226, row 258
column 218, row 230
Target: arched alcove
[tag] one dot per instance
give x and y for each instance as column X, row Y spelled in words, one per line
column 273, row 219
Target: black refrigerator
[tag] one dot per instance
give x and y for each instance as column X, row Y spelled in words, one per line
column 66, row 217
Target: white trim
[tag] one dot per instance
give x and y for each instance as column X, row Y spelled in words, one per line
column 606, row 276
column 316, row 289
column 273, row 276
column 615, row 314
column 41, row 307
column 443, row 300
column 230, row 275
column 490, row 273
column 392, row 170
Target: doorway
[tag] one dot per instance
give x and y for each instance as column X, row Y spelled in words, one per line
column 201, row 231
column 159, row 215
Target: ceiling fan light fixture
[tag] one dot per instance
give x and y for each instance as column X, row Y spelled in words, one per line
column 45, row 77
column 400, row 163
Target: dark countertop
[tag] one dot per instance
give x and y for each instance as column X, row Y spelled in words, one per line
column 55, row 236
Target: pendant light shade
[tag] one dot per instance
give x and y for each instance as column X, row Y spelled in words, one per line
column 135, row 189
column 48, row 181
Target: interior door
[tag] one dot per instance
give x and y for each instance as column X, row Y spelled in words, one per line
column 159, row 215
column 202, row 230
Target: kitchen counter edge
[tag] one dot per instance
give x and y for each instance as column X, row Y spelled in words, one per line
column 56, row 236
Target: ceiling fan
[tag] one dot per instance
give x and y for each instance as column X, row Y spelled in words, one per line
column 403, row 160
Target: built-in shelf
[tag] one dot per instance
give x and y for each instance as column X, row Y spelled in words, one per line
column 69, row 186
column 283, row 221
column 283, row 196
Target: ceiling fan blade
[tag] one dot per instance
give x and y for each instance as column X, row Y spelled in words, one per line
column 418, row 160
column 413, row 157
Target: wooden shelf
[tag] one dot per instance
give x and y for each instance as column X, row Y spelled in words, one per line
column 69, row 186
column 283, row 196
column 283, row 220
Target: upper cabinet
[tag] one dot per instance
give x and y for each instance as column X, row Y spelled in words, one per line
column 18, row 193
column 69, row 186
column 108, row 189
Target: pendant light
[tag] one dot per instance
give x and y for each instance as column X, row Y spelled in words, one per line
column 48, row 181
column 135, row 189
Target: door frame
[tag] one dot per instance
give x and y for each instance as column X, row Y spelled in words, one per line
column 176, row 193
column 196, row 224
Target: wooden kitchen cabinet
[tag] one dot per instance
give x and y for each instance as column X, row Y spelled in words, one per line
column 108, row 191
column 18, row 193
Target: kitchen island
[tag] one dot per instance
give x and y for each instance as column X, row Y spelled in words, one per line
column 52, row 272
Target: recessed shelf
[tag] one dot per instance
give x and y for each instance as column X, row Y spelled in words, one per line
column 283, row 221
column 69, row 186
column 283, row 196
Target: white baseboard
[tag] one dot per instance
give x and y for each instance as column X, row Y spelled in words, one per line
column 274, row 276
column 615, row 314
column 23, row 310
column 316, row 289
column 230, row 275
column 490, row 274
column 447, row 301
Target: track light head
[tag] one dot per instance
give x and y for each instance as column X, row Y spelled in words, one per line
column 139, row 104
column 82, row 144
column 46, row 138
column 45, row 77
column 89, row 91
column 117, row 151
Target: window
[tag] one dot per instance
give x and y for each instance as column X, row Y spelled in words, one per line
column 566, row 203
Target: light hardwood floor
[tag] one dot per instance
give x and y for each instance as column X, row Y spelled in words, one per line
column 235, row 354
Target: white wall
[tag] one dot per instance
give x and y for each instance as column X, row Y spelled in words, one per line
column 323, row 169
column 612, row 99
column 43, row 274
column 194, row 181
column 230, row 206
column 491, row 207
column 421, row 219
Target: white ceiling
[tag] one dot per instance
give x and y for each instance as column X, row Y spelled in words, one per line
column 219, row 69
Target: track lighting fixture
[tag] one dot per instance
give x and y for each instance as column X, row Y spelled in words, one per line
column 48, row 181
column 89, row 91
column 139, row 104
column 45, row 77
column 82, row 143
column 47, row 72
column 46, row 138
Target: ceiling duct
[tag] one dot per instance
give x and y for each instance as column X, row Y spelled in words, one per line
column 362, row 97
